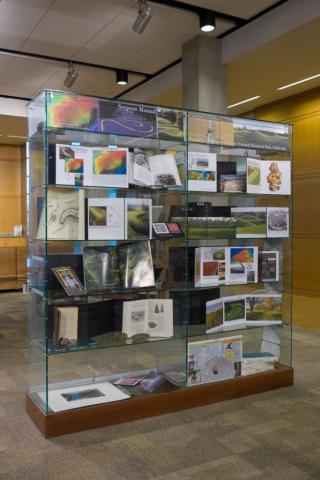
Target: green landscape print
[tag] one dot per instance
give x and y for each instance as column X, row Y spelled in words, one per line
column 235, row 310
column 254, row 175
column 211, row 227
column 262, row 135
column 138, row 221
column 170, row 125
column 214, row 315
column 251, row 223
column 264, row 308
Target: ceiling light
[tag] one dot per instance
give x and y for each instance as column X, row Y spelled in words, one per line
column 207, row 21
column 299, row 81
column 122, row 77
column 71, row 77
column 244, row 101
column 144, row 17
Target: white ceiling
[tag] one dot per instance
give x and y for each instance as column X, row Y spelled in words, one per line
column 97, row 31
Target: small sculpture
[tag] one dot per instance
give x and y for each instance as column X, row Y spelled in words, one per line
column 274, row 178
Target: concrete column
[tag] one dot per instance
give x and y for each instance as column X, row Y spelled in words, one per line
column 204, row 78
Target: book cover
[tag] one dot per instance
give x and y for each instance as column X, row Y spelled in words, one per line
column 264, row 309
column 269, row 266
column 242, row 265
column 101, row 268
column 65, row 328
column 269, row 177
column 202, row 172
column 135, row 263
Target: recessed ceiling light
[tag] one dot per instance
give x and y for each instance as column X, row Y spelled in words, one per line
column 122, row 77
column 299, row 81
column 207, row 21
column 244, row 101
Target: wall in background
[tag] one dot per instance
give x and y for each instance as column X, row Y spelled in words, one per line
column 303, row 112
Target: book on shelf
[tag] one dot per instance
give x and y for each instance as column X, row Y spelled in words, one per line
column 153, row 317
column 225, row 168
column 251, row 222
column 125, row 266
column 214, row 360
column 202, row 172
column 268, row 177
column 239, row 311
column 225, row 265
column 63, row 217
column 232, row 183
column 65, row 327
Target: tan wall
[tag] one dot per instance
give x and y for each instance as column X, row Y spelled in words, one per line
column 303, row 112
column 12, row 212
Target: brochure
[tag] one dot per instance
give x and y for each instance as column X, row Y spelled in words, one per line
column 240, row 311
column 268, row 177
column 105, row 218
column 153, row 317
column 202, row 172
column 214, row 360
column 225, row 265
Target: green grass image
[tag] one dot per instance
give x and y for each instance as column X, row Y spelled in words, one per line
column 254, row 315
column 258, row 138
column 254, row 175
column 211, row 232
column 260, row 308
column 168, row 130
column 214, row 319
column 251, row 224
column 138, row 223
column 234, row 310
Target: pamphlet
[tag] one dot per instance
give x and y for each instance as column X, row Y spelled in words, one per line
column 105, row 218
column 202, row 172
column 268, row 177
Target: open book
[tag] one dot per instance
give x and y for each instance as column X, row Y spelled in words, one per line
column 153, row 317
column 156, row 170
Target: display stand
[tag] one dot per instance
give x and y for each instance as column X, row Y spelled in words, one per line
column 159, row 260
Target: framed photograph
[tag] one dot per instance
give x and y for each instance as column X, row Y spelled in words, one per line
column 69, row 281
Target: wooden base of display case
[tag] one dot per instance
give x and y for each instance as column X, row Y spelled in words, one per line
column 102, row 415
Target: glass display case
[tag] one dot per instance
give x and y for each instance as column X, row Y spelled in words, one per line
column 160, row 259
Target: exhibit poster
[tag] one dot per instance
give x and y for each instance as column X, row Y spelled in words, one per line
column 128, row 119
column 214, row 360
column 260, row 135
column 170, row 124
column 203, row 129
column 65, row 110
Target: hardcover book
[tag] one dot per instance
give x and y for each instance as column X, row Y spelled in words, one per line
column 101, row 268
column 268, row 177
column 135, row 265
column 251, row 221
column 156, row 170
column 65, row 326
column 138, row 218
column 269, row 266
column 105, row 218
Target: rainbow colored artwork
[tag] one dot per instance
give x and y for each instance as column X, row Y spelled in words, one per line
column 66, row 110
column 110, row 162
column 73, row 165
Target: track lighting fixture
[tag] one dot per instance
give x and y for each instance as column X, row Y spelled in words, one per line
column 144, row 17
column 207, row 21
column 71, row 77
column 122, row 77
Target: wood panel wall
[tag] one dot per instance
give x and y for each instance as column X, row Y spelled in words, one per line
column 303, row 112
column 12, row 212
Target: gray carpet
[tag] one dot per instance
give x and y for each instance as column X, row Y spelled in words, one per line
column 271, row 436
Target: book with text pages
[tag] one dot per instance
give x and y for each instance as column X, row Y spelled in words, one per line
column 65, row 328
column 202, row 172
column 105, row 218
column 156, row 170
column 153, row 317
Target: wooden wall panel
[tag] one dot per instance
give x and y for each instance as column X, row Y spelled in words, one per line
column 303, row 112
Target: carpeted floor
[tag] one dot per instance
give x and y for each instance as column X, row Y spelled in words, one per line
column 272, row 436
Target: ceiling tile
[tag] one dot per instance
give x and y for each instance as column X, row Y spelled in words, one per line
column 238, row 8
